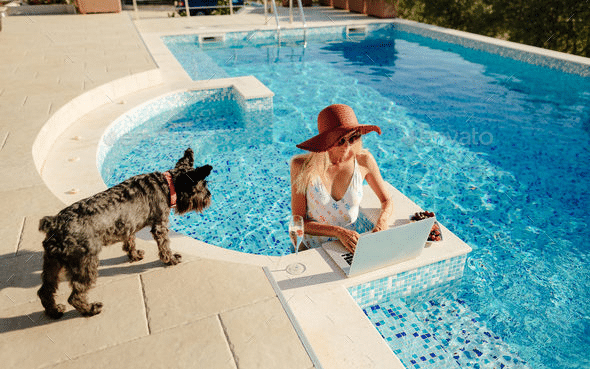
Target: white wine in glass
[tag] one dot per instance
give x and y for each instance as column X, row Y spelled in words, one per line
column 296, row 232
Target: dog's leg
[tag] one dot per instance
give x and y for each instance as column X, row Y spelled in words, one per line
column 133, row 253
column 50, row 277
column 160, row 233
column 82, row 279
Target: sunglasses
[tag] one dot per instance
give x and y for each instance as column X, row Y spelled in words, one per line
column 350, row 139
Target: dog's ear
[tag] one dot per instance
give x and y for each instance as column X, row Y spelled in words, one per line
column 204, row 171
column 191, row 178
column 187, row 161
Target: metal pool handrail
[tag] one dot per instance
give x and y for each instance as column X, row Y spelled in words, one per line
column 274, row 9
column 303, row 21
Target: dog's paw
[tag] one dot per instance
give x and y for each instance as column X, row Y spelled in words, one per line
column 174, row 259
column 95, row 308
column 136, row 256
column 56, row 313
column 169, row 258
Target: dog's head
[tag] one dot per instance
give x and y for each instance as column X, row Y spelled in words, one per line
column 191, row 185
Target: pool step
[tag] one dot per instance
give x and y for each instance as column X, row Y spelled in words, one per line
column 440, row 333
column 197, row 64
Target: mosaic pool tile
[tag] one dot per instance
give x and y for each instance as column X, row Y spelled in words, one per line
column 363, row 224
column 426, row 325
column 512, row 53
column 438, row 330
column 189, row 106
column 410, row 282
column 409, row 339
column 258, row 37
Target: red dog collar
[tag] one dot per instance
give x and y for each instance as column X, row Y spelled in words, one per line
column 172, row 191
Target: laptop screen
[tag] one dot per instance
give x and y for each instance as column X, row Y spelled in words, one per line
column 397, row 244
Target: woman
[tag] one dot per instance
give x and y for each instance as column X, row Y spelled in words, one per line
column 326, row 183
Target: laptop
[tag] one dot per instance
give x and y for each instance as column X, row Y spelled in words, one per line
column 381, row 249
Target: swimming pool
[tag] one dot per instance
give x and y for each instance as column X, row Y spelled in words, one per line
column 496, row 147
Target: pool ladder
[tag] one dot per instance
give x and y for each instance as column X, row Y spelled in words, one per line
column 300, row 5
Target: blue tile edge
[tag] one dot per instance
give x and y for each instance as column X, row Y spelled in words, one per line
column 440, row 34
column 140, row 114
column 412, row 282
column 511, row 50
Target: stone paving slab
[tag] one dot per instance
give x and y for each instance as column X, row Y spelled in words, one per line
column 200, row 344
column 49, row 60
column 193, row 290
column 10, row 231
column 250, row 17
column 27, row 200
column 29, row 339
column 20, row 278
column 20, row 275
column 31, row 238
column 261, row 337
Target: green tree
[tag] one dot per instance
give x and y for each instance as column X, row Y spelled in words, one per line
column 562, row 25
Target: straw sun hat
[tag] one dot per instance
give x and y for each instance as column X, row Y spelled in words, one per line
column 334, row 123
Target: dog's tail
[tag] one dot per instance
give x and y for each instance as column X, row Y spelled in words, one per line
column 50, row 226
column 47, row 224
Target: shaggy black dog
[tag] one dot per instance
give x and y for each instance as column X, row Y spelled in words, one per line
column 76, row 234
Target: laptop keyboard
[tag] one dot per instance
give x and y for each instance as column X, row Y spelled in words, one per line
column 348, row 257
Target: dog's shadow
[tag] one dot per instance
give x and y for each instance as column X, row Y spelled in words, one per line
column 121, row 265
column 32, row 320
column 23, row 271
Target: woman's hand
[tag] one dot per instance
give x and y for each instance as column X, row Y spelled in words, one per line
column 348, row 238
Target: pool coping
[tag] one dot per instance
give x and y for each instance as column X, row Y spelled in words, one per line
column 336, row 341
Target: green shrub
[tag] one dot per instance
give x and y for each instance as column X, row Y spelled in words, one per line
column 43, row 2
column 560, row 25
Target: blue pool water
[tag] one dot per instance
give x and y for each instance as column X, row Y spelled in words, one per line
column 499, row 149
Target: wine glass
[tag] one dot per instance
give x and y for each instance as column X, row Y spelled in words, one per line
column 296, row 236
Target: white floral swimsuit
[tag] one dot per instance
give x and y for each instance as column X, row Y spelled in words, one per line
column 322, row 207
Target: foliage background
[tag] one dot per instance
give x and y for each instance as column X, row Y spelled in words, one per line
column 562, row 25
column 45, row 2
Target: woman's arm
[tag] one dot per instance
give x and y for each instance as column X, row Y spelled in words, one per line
column 298, row 199
column 378, row 185
column 348, row 237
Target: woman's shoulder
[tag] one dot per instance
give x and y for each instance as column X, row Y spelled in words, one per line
column 365, row 158
column 366, row 162
column 298, row 161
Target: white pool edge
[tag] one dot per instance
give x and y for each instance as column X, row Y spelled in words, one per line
column 85, row 103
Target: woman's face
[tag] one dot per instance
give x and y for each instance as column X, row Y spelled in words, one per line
column 347, row 146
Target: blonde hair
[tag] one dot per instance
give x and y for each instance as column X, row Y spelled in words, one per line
column 315, row 164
